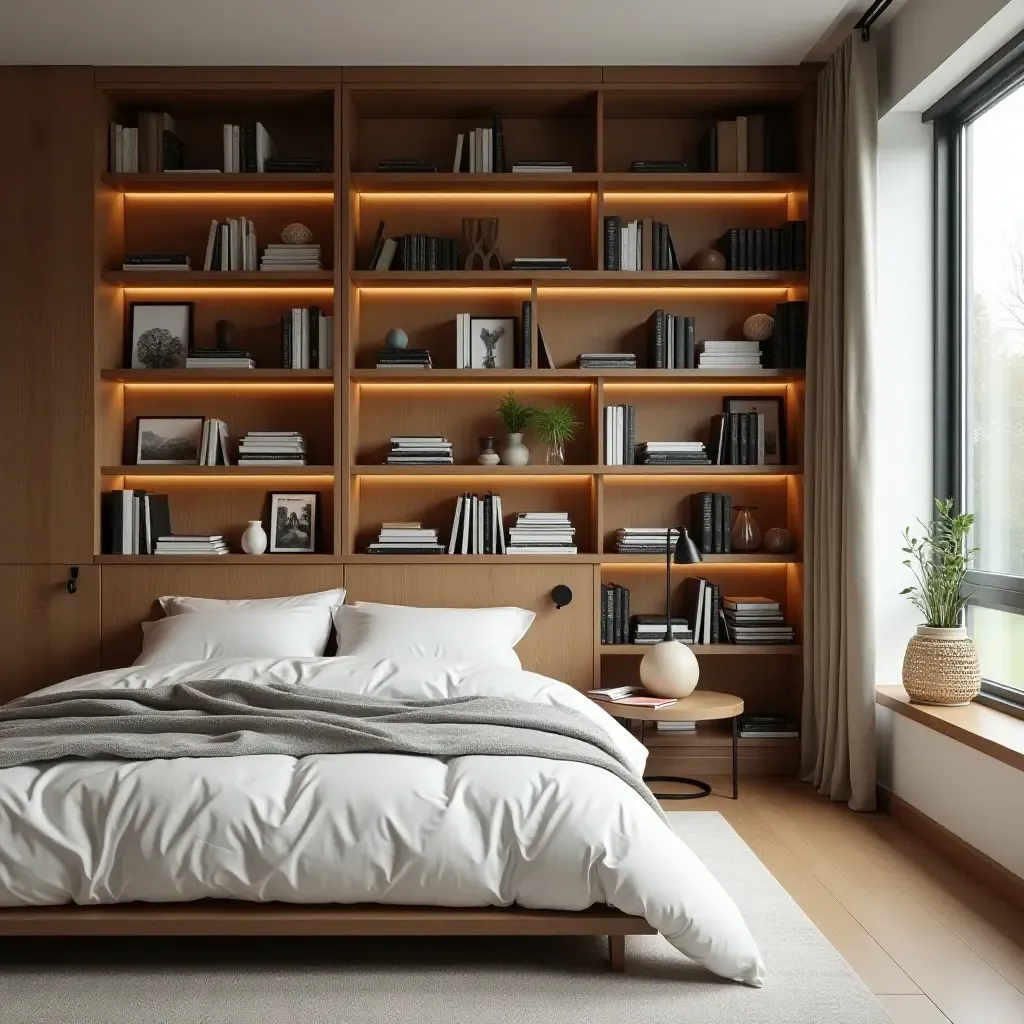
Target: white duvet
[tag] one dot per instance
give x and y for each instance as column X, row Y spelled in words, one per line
column 345, row 828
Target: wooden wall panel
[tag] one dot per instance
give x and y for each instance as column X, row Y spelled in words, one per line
column 47, row 634
column 46, row 314
column 560, row 643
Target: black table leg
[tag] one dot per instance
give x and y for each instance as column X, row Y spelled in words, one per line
column 735, row 759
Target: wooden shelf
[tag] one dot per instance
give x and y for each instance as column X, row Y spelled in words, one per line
column 583, row 559
column 644, row 471
column 698, row 183
column 226, row 472
column 472, row 469
column 297, row 377
column 682, row 378
column 708, row 650
column 187, row 279
column 755, row 558
column 712, row 735
column 204, row 181
column 578, row 278
column 232, row 559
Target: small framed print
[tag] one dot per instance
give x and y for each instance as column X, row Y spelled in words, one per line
column 773, row 407
column 169, row 440
column 492, row 343
column 159, row 334
column 293, row 523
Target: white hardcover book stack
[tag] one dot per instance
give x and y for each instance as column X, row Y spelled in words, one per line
column 676, row 727
column 756, row 620
column 281, row 256
column 542, row 533
column 730, row 355
column 644, row 540
column 420, row 451
column 272, row 448
column 412, row 538
column 650, row 629
column 213, row 448
column 212, row 544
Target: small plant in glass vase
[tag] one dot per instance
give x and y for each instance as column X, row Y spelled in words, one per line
column 516, row 416
column 941, row 663
column 556, row 426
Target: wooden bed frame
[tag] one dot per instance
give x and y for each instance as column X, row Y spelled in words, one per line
column 232, row 917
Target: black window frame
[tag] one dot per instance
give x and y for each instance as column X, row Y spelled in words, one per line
column 1000, row 75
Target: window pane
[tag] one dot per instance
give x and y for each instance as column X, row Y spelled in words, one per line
column 999, row 637
column 994, row 304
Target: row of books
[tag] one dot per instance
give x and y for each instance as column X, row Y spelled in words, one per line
column 752, row 143
column 738, row 439
column 150, row 147
column 404, row 359
column 641, row 244
column 619, row 435
column 231, row 245
column 782, row 248
column 406, row 538
column 272, row 448
column 730, row 356
column 477, row 528
column 711, row 521
column 132, row 520
column 671, row 341
column 413, row 252
column 247, row 147
column 286, row 256
column 420, row 451
column 542, row 533
column 481, row 150
column 213, row 444
column 307, row 339
column 219, row 359
column 788, row 347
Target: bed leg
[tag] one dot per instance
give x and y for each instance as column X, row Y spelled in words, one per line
column 617, row 952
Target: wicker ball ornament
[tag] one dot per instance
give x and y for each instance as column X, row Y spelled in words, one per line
column 296, row 234
column 759, row 327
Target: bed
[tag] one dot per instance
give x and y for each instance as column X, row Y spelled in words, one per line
column 357, row 842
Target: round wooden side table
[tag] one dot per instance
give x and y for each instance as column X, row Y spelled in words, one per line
column 700, row 706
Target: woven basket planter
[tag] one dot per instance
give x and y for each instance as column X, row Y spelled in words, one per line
column 941, row 667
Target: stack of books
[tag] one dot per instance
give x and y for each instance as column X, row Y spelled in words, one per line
column 477, row 528
column 650, row 629
column 539, row 263
column 307, row 339
column 272, row 448
column 638, row 245
column 754, row 727
column 542, row 533
column 614, row 614
column 710, row 522
column 404, row 165
column 212, row 544
column 231, row 245
column 619, row 435
column 756, row 620
column 660, row 167
column 606, row 361
column 420, row 451
column 151, row 148
column 156, row 261
column 213, row 448
column 281, row 256
column 630, row 696
column 730, row 355
column 246, row 148
column 671, row 341
column 788, row 346
column 219, row 359
column 678, row 728
column 672, row 453
column 702, row 606
column 739, row 439
column 406, row 539
column 482, row 150
column 644, row 540
column 294, row 165
column 132, row 521
column 541, row 167
column 404, row 359
column 782, row 248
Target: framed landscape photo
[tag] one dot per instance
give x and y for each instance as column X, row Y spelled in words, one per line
column 159, row 334
column 169, row 440
column 774, row 409
column 293, row 523
column 492, row 343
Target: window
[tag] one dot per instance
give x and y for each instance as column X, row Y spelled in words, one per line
column 980, row 348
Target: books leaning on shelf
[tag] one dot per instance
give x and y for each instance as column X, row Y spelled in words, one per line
column 730, row 355
column 307, row 339
column 477, row 528
column 132, row 520
column 638, row 245
column 710, row 522
column 272, row 448
column 671, row 341
column 481, row 150
column 737, row 439
column 782, row 248
column 650, row 629
column 282, row 256
column 219, row 359
column 156, row 261
column 672, row 453
column 192, row 545
column 231, row 245
column 702, row 606
column 404, row 359
column 542, row 533
column 246, row 148
column 406, row 539
column 606, row 361
column 213, row 448
column 619, row 435
column 541, row 167
column 420, row 451
column 151, row 147
column 754, row 727
column 614, row 614
column 644, row 540
column 756, row 620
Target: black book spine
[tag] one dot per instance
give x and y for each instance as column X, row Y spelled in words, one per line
column 663, row 248
column 733, row 252
column 717, row 522
column 775, row 263
column 758, row 249
column 707, row 161
column 608, row 613
column 785, row 349
column 734, row 439
column 601, row 615
column 690, row 347
column 286, row 341
column 629, row 455
column 405, row 253
column 523, row 355
column 741, row 249
column 656, row 353
column 314, row 337
column 786, row 246
column 498, row 143
column 726, row 524
column 716, row 607
column 798, row 320
column 799, row 245
column 488, row 522
column 612, row 238
column 744, row 440
column 754, row 440
column 673, row 256
column 617, row 615
column 679, row 343
column 249, row 147
column 431, row 254
column 702, row 521
column 625, row 615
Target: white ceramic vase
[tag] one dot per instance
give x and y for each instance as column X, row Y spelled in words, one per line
column 515, row 453
column 254, row 540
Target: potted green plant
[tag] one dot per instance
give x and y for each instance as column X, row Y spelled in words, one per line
column 556, row 426
column 516, row 416
column 940, row 665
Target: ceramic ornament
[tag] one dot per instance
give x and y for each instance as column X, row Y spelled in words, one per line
column 296, row 234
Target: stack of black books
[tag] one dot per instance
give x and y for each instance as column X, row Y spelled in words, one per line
column 539, row 263
column 294, row 165
column 219, row 359
column 606, row 361
column 782, row 248
column 650, row 629
column 671, row 341
column 787, row 349
column 420, row 451
column 406, row 539
column 404, row 359
column 541, row 167
column 761, row 727
column 660, row 167
column 756, row 620
column 409, row 165
column 614, row 614
column 672, row 453
column 644, row 540
column 739, row 439
column 710, row 522
column 157, row 261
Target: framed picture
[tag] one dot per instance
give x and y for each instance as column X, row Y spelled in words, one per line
column 169, row 440
column 492, row 343
column 774, row 409
column 293, row 523
column 159, row 334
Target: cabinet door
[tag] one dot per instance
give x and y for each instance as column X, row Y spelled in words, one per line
column 46, row 314
column 46, row 634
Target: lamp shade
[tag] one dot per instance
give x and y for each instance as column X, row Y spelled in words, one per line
column 686, row 552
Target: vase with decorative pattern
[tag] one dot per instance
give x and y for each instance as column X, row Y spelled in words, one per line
column 941, row 666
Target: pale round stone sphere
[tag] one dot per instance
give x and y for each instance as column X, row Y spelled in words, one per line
column 296, row 234
column 670, row 669
column 396, row 338
column 759, row 327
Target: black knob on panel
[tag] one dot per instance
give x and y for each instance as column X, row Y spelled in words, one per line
column 561, row 595
column 73, row 580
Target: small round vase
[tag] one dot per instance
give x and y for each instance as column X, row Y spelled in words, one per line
column 488, row 456
column 515, row 453
column 254, row 540
column 396, row 338
column 670, row 669
column 778, row 541
column 941, row 666
column 745, row 534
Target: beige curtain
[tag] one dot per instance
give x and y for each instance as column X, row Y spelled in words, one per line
column 838, row 746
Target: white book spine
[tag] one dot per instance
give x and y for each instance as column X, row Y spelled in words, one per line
column 304, row 364
column 472, row 151
column 296, row 343
column 623, row 246
column 459, row 143
column 226, row 143
column 236, row 149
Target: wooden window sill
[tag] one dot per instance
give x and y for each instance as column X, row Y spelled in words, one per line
column 999, row 735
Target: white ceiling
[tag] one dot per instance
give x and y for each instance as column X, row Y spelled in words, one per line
column 424, row 32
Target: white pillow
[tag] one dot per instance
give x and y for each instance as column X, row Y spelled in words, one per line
column 293, row 633
column 329, row 599
column 478, row 636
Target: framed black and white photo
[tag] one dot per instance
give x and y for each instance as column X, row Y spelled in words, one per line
column 293, row 523
column 159, row 334
column 169, row 440
column 774, row 409
column 492, row 343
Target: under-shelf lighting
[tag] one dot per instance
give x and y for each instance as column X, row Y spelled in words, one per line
column 447, row 197
column 696, row 197
column 233, row 290
column 228, row 197
column 325, row 386
column 743, row 384
column 172, row 479
column 516, row 383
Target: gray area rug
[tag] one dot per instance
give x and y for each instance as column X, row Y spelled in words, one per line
column 446, row 981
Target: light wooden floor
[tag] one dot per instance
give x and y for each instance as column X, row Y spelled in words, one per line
column 931, row 943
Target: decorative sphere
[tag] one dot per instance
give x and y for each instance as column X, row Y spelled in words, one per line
column 396, row 338
column 296, row 234
column 778, row 541
column 759, row 327
column 709, row 259
column 670, row 669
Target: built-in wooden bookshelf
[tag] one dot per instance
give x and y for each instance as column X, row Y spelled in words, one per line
column 348, row 413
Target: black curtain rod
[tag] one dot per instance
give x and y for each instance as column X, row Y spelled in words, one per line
column 870, row 16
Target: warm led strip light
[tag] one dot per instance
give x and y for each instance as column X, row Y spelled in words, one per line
column 447, row 197
column 208, row 385
column 226, row 197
